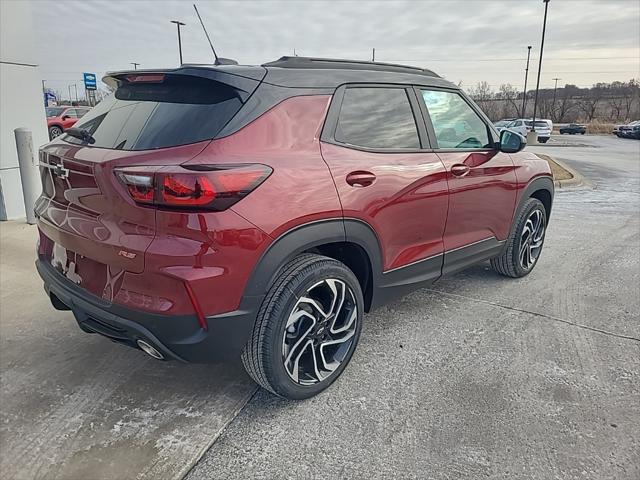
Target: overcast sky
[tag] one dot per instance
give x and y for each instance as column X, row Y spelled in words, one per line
column 587, row 41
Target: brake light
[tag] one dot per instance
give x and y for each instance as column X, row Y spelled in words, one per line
column 187, row 189
column 145, row 78
column 204, row 188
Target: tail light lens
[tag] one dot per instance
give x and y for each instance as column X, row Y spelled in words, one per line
column 198, row 188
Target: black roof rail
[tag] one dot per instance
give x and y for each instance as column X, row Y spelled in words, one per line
column 334, row 63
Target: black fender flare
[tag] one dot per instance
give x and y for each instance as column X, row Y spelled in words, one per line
column 538, row 183
column 307, row 236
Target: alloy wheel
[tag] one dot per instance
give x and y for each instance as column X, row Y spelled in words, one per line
column 531, row 239
column 55, row 132
column 320, row 332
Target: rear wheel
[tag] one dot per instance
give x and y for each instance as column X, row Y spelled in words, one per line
column 524, row 245
column 307, row 328
column 54, row 131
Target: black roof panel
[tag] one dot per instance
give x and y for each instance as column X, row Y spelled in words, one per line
column 306, row 72
column 336, row 64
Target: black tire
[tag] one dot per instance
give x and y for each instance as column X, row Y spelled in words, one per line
column 543, row 140
column 509, row 263
column 264, row 355
column 55, row 131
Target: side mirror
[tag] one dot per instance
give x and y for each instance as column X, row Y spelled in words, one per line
column 65, row 117
column 511, row 142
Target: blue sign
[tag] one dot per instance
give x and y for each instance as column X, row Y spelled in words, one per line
column 49, row 97
column 90, row 82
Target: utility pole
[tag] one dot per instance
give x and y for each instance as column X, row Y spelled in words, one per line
column 70, row 99
column 526, row 75
column 75, row 86
column 555, row 89
column 179, row 24
column 373, row 59
column 135, row 65
column 544, row 28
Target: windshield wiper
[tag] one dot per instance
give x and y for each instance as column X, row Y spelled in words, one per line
column 82, row 134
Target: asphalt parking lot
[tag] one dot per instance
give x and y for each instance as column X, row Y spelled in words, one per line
column 478, row 376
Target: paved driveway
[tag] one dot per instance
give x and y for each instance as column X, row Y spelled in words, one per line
column 482, row 376
column 479, row 376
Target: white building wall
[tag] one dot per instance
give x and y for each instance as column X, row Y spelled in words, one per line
column 21, row 99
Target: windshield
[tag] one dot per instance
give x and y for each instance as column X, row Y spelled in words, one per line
column 177, row 111
column 54, row 111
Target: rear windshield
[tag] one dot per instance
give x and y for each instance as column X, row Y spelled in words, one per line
column 144, row 116
column 538, row 124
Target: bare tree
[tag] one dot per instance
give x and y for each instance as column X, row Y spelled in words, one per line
column 588, row 104
column 510, row 104
column 485, row 98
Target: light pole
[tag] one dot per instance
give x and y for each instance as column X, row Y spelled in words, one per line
column 555, row 89
column 179, row 24
column 544, row 28
column 526, row 75
column 135, row 65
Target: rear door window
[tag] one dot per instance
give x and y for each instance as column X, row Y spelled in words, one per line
column 455, row 123
column 377, row 118
column 178, row 111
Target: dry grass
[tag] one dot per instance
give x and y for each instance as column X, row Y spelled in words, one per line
column 600, row 127
column 595, row 128
column 559, row 173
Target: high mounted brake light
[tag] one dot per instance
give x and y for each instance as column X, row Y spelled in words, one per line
column 145, row 78
column 204, row 188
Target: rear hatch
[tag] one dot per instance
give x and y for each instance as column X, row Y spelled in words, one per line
column 541, row 127
column 165, row 118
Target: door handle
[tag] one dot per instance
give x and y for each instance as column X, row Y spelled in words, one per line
column 360, row 179
column 460, row 170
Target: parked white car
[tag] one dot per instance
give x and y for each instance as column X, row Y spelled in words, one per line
column 525, row 125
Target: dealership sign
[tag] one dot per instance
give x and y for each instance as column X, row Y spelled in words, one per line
column 90, row 81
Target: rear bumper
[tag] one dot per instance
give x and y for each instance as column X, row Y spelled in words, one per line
column 176, row 337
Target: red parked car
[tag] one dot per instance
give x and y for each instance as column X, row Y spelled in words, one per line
column 211, row 213
column 61, row 118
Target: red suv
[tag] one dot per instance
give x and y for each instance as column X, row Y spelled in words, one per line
column 61, row 118
column 257, row 212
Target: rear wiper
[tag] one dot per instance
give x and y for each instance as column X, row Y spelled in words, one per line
column 82, row 134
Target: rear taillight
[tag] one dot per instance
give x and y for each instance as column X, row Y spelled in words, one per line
column 199, row 187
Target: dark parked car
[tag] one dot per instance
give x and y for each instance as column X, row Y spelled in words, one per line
column 631, row 130
column 573, row 128
column 208, row 213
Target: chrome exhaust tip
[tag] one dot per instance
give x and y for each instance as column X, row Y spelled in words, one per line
column 149, row 350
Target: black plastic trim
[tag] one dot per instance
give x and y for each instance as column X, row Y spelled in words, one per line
column 538, row 183
column 176, row 337
column 463, row 257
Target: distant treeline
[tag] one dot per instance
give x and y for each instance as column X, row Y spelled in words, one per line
column 604, row 102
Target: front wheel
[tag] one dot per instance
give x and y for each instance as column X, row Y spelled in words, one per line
column 307, row 328
column 54, row 131
column 524, row 245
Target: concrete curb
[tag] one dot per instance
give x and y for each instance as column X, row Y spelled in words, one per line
column 578, row 179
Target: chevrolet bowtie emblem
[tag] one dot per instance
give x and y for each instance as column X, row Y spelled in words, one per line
column 60, row 171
